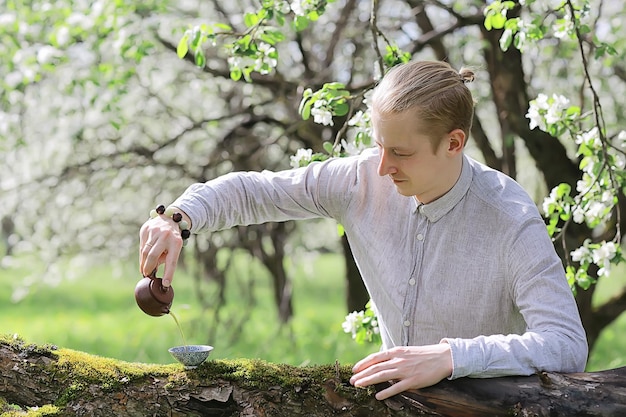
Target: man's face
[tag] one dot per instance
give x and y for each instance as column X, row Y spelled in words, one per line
column 408, row 158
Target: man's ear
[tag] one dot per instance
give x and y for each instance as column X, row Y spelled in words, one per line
column 456, row 141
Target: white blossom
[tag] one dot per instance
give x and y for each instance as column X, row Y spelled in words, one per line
column 352, row 322
column 584, row 184
column 581, row 254
column 304, row 7
column 297, row 8
column 549, row 200
column 63, row 35
column 590, row 138
column 13, row 79
column 543, row 110
column 321, row 114
column 564, row 27
column 603, row 256
column 7, row 19
column 46, row 53
column 282, row 6
column 360, row 119
column 351, row 148
column 301, row 158
column 536, row 119
column 542, row 101
column 264, row 57
column 240, row 62
column 621, row 139
column 578, row 215
column 596, row 211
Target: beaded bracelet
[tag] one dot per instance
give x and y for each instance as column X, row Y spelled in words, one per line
column 177, row 217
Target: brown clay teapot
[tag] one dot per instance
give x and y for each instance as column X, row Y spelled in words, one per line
column 152, row 297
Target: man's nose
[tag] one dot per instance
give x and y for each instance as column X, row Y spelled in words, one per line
column 385, row 165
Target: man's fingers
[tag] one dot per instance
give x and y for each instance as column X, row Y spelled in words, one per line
column 143, row 238
column 379, row 372
column 171, row 260
column 370, row 360
column 150, row 259
column 394, row 389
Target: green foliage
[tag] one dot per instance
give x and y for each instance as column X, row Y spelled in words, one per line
column 97, row 313
column 254, row 49
column 601, row 160
column 395, row 56
column 363, row 325
column 62, row 27
column 332, row 98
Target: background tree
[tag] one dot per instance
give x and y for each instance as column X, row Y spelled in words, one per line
column 100, row 119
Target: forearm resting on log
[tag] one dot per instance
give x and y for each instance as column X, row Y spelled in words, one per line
column 71, row 383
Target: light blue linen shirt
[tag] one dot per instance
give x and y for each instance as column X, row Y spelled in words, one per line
column 474, row 268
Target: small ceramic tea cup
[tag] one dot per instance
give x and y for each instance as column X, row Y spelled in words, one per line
column 191, row 355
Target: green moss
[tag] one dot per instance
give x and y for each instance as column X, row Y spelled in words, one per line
column 85, row 368
column 16, row 342
column 10, row 410
column 79, row 370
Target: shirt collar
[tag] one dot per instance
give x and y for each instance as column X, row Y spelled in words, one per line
column 438, row 208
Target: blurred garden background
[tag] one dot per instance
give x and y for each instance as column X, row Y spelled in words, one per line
column 105, row 113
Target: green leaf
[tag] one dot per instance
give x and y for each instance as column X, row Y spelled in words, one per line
column 340, row 230
column 182, row 48
column 512, row 24
column 250, row 19
column 328, row 147
column 487, row 23
column 300, row 23
column 506, row 39
column 341, row 109
column 195, row 42
column 272, row 36
column 305, row 108
column 246, row 74
column 235, row 74
column 498, row 21
column 573, row 110
column 334, row 86
column 200, row 58
column 563, row 189
column 223, row 26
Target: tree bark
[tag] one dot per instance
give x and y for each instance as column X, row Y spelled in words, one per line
column 356, row 293
column 78, row 384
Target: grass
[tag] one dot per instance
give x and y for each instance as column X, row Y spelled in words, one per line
column 96, row 313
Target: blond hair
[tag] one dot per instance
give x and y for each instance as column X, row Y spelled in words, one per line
column 434, row 89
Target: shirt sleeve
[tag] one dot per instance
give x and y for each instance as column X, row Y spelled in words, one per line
column 244, row 198
column 554, row 339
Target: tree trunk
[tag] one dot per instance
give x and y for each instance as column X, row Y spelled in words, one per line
column 356, row 293
column 71, row 383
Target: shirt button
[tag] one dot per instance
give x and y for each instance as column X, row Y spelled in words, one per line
column 407, row 323
column 412, row 281
column 420, row 236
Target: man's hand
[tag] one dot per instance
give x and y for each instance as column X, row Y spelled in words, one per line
column 160, row 242
column 410, row 367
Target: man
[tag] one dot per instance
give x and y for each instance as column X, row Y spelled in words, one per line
column 455, row 255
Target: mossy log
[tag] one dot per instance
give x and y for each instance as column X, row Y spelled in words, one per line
column 43, row 380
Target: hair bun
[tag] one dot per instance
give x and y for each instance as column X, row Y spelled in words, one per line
column 467, row 75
